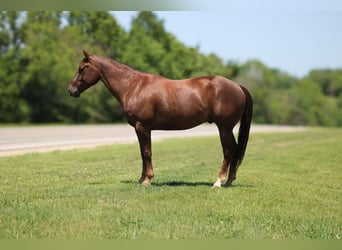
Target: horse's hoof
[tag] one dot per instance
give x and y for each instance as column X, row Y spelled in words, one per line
column 228, row 183
column 145, row 182
column 141, row 180
column 217, row 184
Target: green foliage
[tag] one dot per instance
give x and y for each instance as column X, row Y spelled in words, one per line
column 330, row 81
column 40, row 51
column 100, row 29
column 289, row 187
column 12, row 106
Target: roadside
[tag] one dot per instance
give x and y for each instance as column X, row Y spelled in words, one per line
column 21, row 140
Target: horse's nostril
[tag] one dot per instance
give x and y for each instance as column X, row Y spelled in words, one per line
column 75, row 93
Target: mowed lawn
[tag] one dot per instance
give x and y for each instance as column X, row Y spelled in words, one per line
column 288, row 187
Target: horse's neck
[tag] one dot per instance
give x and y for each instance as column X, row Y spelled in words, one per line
column 115, row 76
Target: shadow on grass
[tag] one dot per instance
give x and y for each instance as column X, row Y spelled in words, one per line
column 182, row 183
column 188, row 184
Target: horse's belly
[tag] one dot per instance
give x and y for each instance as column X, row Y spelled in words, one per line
column 179, row 122
column 172, row 126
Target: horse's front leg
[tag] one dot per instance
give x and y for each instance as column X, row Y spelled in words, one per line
column 144, row 137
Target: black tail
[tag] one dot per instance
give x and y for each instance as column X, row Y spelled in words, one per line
column 245, row 124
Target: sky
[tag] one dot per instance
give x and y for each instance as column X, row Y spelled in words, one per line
column 292, row 38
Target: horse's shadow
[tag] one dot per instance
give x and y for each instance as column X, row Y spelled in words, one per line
column 173, row 183
column 187, row 184
column 182, row 183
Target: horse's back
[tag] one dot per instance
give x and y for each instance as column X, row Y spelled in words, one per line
column 182, row 104
column 210, row 99
column 222, row 90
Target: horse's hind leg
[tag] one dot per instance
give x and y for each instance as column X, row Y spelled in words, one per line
column 229, row 148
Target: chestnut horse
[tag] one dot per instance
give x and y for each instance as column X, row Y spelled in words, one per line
column 153, row 102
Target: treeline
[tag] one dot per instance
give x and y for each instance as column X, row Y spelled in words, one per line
column 40, row 52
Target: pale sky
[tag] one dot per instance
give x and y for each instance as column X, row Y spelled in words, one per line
column 292, row 39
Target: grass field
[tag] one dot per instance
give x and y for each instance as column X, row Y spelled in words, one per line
column 289, row 187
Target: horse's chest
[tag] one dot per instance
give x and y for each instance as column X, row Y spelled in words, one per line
column 138, row 109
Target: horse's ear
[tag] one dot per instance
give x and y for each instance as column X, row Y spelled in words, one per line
column 86, row 54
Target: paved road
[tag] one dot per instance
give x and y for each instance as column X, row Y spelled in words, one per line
column 19, row 140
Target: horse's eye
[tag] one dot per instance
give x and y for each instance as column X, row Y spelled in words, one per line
column 80, row 70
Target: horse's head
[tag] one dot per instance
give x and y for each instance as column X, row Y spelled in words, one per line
column 86, row 76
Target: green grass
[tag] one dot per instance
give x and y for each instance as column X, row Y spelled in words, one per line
column 289, row 186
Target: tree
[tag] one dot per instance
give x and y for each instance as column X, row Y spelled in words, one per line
column 151, row 48
column 101, row 29
column 13, row 107
column 41, row 60
column 148, row 23
column 308, row 102
column 142, row 50
column 329, row 80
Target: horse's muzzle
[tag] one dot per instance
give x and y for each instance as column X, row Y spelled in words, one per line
column 74, row 93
